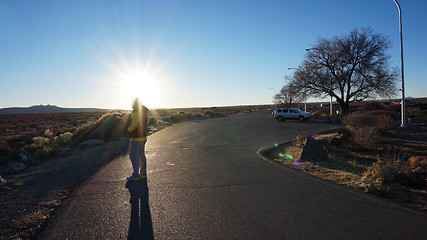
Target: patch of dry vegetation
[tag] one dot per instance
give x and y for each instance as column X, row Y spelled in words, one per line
column 372, row 155
column 366, row 128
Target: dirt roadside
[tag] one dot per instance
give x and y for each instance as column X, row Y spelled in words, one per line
column 346, row 167
column 30, row 197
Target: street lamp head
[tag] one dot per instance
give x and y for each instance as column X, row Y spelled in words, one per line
column 309, row 49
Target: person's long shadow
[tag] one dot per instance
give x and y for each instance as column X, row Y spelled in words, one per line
column 140, row 226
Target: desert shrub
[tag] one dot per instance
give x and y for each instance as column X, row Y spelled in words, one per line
column 152, row 121
column 362, row 129
column 384, row 120
column 83, row 132
column 418, row 161
column 160, row 122
column 209, row 114
column 109, row 127
column 48, row 133
column 365, row 137
column 366, row 127
column 4, row 146
column 41, row 148
column 417, row 116
column 63, row 139
column 360, row 119
column 390, row 114
column 185, row 116
column 45, row 146
column 157, row 120
column 388, row 168
column 179, row 117
column 24, row 127
column 197, row 116
column 372, row 105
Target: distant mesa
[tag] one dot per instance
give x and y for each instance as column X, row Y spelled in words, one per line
column 36, row 109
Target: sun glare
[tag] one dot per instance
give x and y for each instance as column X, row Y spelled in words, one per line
column 140, row 85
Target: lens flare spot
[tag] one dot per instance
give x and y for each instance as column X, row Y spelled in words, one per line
column 289, row 156
column 281, row 155
column 297, row 163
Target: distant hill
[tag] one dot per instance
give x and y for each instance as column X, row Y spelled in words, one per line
column 46, row 109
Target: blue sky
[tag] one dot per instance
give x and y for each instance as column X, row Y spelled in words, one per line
column 189, row 53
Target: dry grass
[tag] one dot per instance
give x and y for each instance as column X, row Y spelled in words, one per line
column 418, row 161
column 387, row 171
column 366, row 128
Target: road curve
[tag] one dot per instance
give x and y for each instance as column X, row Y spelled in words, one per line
column 205, row 181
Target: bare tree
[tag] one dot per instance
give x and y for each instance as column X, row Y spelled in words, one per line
column 348, row 68
column 288, row 95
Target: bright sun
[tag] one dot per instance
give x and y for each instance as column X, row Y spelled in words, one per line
column 140, row 85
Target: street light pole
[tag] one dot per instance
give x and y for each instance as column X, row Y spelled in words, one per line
column 305, row 92
column 403, row 122
column 330, row 103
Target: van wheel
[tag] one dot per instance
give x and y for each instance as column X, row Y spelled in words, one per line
column 280, row 118
column 301, row 118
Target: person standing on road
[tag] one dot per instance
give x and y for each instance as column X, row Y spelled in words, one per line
column 137, row 132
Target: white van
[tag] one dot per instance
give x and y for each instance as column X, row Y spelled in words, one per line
column 291, row 113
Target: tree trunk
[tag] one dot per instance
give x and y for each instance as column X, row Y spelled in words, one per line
column 345, row 107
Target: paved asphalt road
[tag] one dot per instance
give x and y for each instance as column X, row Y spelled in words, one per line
column 206, row 181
